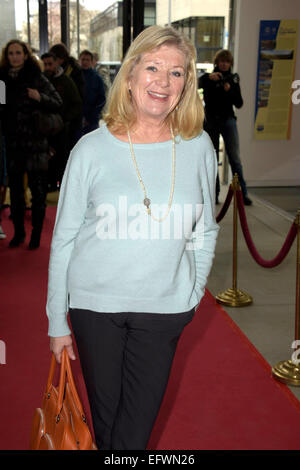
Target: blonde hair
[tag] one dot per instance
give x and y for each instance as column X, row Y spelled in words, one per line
column 187, row 118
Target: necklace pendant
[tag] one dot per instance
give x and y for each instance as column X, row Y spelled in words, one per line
column 147, row 202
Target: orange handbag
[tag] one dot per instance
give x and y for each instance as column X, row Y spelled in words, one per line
column 61, row 424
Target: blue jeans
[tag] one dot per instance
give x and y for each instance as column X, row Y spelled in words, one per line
column 228, row 130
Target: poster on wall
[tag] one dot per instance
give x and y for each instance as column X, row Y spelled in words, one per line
column 275, row 74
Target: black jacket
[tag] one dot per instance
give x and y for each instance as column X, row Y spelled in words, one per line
column 94, row 100
column 73, row 70
column 2, row 152
column 26, row 149
column 72, row 102
column 218, row 102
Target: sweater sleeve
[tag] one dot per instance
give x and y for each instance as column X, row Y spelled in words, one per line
column 206, row 231
column 69, row 218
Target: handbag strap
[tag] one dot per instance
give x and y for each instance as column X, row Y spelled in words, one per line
column 72, row 385
column 65, row 371
column 61, row 385
column 51, row 374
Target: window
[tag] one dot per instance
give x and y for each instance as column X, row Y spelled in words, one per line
column 149, row 14
column 206, row 33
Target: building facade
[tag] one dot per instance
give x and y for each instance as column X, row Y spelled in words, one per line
column 106, row 30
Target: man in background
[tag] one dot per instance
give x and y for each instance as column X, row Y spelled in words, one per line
column 94, row 99
column 73, row 70
column 70, row 111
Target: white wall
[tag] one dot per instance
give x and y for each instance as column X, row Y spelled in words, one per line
column 265, row 163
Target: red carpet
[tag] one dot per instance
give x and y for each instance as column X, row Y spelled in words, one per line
column 220, row 395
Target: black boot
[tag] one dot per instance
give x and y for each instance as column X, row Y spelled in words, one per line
column 17, row 240
column 17, row 216
column 247, row 201
column 18, row 221
column 35, row 239
column 37, row 225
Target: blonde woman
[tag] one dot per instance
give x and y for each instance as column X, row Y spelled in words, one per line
column 134, row 238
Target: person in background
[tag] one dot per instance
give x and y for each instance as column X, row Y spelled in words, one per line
column 28, row 93
column 221, row 90
column 3, row 183
column 71, row 69
column 71, row 109
column 103, row 71
column 129, row 292
column 94, row 99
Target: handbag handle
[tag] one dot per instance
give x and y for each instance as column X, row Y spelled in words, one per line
column 65, row 371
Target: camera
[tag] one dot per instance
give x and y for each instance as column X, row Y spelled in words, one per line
column 232, row 78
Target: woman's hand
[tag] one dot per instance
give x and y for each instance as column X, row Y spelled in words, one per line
column 34, row 94
column 58, row 344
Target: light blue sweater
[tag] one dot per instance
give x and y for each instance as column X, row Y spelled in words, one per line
column 107, row 254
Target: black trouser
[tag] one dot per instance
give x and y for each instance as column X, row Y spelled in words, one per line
column 37, row 182
column 126, row 360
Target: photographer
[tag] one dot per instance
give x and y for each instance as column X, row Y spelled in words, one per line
column 222, row 91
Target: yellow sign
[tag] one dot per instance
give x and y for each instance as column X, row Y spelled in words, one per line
column 275, row 75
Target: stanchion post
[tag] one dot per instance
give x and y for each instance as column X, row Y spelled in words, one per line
column 234, row 297
column 235, row 187
column 288, row 371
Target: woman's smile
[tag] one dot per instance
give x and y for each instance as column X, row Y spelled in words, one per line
column 158, row 96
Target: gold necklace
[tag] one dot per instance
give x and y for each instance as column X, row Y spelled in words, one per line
column 146, row 200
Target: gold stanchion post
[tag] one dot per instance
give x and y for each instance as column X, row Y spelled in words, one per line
column 234, row 297
column 288, row 371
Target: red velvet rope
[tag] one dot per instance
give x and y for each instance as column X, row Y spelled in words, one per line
column 225, row 206
column 285, row 248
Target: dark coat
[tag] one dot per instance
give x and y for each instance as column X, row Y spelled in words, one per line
column 72, row 102
column 26, row 149
column 218, row 102
column 72, row 69
column 94, row 99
